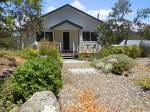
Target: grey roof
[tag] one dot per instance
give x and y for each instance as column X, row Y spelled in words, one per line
column 135, row 42
column 66, row 21
column 68, row 5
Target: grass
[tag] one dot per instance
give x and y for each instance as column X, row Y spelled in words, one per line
column 10, row 53
column 143, row 82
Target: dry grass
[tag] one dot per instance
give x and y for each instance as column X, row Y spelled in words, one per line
column 86, row 103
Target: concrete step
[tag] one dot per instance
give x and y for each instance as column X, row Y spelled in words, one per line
column 68, row 57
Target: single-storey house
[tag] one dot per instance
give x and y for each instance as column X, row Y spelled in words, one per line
column 72, row 28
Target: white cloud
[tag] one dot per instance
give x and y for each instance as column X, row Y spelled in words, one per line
column 51, row 8
column 78, row 5
column 103, row 13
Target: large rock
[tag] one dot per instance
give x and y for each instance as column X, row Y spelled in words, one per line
column 44, row 101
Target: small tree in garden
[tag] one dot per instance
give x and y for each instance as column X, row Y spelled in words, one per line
column 121, row 26
column 105, row 35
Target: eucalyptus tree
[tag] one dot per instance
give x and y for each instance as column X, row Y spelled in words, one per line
column 23, row 16
column 144, row 29
column 121, row 25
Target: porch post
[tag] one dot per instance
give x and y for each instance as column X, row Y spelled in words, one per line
column 44, row 36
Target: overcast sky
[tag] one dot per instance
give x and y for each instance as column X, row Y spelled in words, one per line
column 93, row 7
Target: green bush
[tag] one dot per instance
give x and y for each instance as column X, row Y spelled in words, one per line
column 29, row 53
column 111, row 50
column 87, row 56
column 145, row 49
column 38, row 74
column 7, row 101
column 116, row 63
column 143, row 82
column 131, row 51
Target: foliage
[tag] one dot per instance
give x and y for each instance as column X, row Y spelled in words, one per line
column 87, row 56
column 120, row 25
column 9, row 53
column 45, row 49
column 110, row 50
column 143, row 82
column 105, row 34
column 29, row 53
column 27, row 13
column 142, row 14
column 6, row 40
column 145, row 49
column 117, row 63
column 6, row 94
column 38, row 74
column 131, row 51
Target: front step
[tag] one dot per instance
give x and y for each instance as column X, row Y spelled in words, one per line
column 67, row 56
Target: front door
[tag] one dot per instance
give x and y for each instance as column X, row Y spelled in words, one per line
column 66, row 40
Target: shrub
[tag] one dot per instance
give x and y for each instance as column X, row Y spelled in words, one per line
column 29, row 53
column 143, row 82
column 111, row 50
column 131, row 51
column 87, row 56
column 116, row 63
column 38, row 74
column 145, row 49
column 6, row 94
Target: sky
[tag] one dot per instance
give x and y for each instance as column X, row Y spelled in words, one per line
column 93, row 7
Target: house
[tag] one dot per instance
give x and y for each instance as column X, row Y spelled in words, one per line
column 71, row 28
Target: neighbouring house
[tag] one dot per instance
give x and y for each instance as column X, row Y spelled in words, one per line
column 71, row 28
column 135, row 42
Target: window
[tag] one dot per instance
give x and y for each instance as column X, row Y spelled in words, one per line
column 40, row 35
column 86, row 36
column 93, row 36
column 89, row 36
column 49, row 36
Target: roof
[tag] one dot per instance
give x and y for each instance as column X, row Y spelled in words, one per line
column 67, row 5
column 66, row 21
column 135, row 42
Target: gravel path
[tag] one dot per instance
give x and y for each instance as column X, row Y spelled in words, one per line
column 113, row 91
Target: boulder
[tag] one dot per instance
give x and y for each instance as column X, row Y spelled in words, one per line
column 44, row 101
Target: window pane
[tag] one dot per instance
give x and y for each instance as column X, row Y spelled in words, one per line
column 93, row 36
column 49, row 36
column 40, row 35
column 86, row 36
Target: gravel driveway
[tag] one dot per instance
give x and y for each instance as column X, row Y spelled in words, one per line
column 116, row 92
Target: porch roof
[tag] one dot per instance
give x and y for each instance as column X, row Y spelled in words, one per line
column 66, row 21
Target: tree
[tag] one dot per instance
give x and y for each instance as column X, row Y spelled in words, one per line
column 21, row 15
column 144, row 29
column 105, row 34
column 120, row 25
